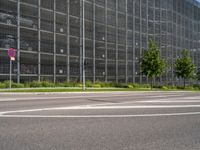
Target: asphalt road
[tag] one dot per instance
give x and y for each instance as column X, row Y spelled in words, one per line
column 100, row 121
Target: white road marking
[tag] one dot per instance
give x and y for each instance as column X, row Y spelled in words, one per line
column 62, row 97
column 166, row 100
column 44, row 98
column 99, row 116
column 170, row 101
column 74, row 97
column 159, row 96
column 8, row 100
column 192, row 97
column 89, row 107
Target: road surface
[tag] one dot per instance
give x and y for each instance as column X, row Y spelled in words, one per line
column 100, row 121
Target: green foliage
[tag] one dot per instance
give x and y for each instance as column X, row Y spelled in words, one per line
column 164, row 87
column 2, row 85
column 88, row 84
column 145, row 86
column 69, row 84
column 171, row 87
column 152, row 64
column 7, row 83
column 189, row 88
column 135, row 85
column 96, row 85
column 59, row 84
column 121, row 85
column 17, row 85
column 184, row 66
column 138, row 86
column 130, row 86
column 198, row 74
column 47, row 84
column 105, row 84
column 34, row 84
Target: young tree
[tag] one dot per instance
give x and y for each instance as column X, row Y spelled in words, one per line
column 152, row 65
column 184, row 68
column 198, row 74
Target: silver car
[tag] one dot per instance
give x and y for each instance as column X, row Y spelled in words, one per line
column 9, row 17
column 9, row 41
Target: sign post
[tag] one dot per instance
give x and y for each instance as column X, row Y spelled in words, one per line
column 11, row 54
column 10, row 84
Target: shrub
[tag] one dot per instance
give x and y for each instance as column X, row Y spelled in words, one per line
column 17, row 85
column 60, row 84
column 7, row 83
column 130, row 86
column 89, row 84
column 189, row 88
column 196, row 86
column 145, row 86
column 47, row 84
column 79, row 85
column 2, row 85
column 69, row 84
column 172, row 87
column 96, row 85
column 34, row 84
column 135, row 85
column 121, row 85
column 106, row 84
column 157, row 86
column 164, row 87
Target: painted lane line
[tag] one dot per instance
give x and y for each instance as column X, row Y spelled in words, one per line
column 192, row 97
column 101, row 108
column 170, row 101
column 166, row 100
column 72, row 97
column 63, row 97
column 99, row 116
column 8, row 100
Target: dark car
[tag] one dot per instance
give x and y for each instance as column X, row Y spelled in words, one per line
column 7, row 17
column 9, row 41
column 10, row 17
column 27, row 22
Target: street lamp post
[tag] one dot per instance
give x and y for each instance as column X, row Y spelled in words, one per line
column 83, row 45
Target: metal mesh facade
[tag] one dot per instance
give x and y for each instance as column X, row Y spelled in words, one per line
column 47, row 35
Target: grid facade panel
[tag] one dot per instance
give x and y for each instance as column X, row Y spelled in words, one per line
column 47, row 35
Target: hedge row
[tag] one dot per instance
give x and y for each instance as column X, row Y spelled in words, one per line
column 97, row 84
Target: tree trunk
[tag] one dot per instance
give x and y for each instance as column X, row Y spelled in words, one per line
column 151, row 83
column 184, row 82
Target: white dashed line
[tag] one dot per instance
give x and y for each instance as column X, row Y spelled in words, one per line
column 99, row 116
column 101, row 108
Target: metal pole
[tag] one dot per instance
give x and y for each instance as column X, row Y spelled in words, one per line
column 10, row 85
column 83, row 48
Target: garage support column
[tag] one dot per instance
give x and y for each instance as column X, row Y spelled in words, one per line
column 81, row 40
column 126, row 78
column 117, row 71
column 94, row 44
column 54, row 39
column 39, row 41
column 134, row 59
column 18, row 41
column 106, row 43
column 68, row 64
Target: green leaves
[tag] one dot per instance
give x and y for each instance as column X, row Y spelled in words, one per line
column 184, row 66
column 198, row 74
column 152, row 64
